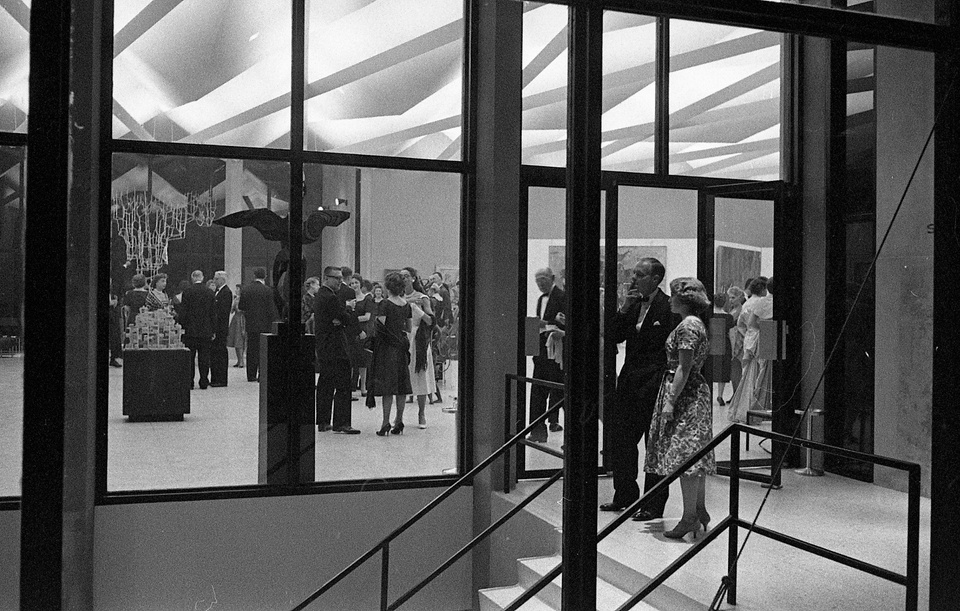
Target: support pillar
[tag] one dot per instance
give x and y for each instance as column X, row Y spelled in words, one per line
column 233, row 240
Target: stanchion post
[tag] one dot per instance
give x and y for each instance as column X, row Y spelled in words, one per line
column 808, row 452
column 733, row 535
column 384, row 576
column 913, row 539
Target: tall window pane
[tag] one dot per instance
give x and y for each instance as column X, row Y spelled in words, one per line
column 173, row 421
column 724, row 101
column 385, row 90
column 398, row 219
column 544, row 135
column 12, row 211
column 14, row 65
column 202, row 71
column 629, row 96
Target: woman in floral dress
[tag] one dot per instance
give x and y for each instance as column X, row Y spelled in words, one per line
column 683, row 419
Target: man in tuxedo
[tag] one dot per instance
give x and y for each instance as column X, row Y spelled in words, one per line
column 643, row 322
column 550, row 310
column 259, row 313
column 198, row 317
column 331, row 319
column 219, row 360
column 349, row 298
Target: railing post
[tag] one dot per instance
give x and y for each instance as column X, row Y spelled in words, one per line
column 913, row 539
column 506, row 434
column 733, row 535
column 384, row 576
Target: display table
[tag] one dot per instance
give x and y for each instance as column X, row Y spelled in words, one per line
column 156, row 384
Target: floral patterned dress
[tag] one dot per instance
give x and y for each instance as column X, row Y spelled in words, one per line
column 671, row 442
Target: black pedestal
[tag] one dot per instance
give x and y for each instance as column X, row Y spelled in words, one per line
column 156, row 384
column 287, row 412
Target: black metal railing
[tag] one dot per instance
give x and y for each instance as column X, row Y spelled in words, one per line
column 384, row 545
column 733, row 523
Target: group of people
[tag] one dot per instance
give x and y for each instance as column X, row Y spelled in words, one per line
column 372, row 339
column 375, row 340
column 740, row 311
column 661, row 390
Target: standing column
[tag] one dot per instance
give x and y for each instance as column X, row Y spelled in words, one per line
column 233, row 240
column 582, row 354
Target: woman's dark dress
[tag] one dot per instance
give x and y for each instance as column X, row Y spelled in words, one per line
column 389, row 373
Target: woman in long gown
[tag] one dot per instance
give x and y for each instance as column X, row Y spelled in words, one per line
column 422, row 378
column 753, row 393
column 735, row 299
column 389, row 376
column 683, row 419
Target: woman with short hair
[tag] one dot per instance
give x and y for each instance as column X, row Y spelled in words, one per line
column 682, row 422
column 389, row 374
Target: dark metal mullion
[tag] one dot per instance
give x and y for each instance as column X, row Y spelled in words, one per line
column 468, row 223
column 612, row 233
column 293, row 338
column 520, row 417
column 706, row 237
column 12, row 139
column 104, row 245
column 661, row 130
column 582, row 357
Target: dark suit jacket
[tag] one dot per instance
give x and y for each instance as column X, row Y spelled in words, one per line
column 198, row 315
column 345, row 293
column 258, row 307
column 556, row 303
column 224, row 301
column 646, row 356
column 331, row 338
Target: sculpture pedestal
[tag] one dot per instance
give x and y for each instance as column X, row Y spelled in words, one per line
column 287, row 412
column 156, row 384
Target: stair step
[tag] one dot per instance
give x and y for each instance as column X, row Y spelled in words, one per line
column 608, row 595
column 496, row 599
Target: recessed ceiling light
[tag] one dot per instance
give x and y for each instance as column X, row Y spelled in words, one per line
column 254, row 36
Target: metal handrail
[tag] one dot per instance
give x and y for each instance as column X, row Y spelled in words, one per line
column 732, row 523
column 384, row 545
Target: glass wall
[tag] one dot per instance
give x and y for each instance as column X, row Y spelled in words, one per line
column 203, row 71
column 12, row 215
column 173, row 424
column 200, row 243
column 724, row 101
column 14, row 66
column 385, row 91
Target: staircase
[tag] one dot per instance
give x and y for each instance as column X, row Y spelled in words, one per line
column 616, row 580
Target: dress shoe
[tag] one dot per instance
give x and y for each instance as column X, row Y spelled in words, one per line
column 704, row 518
column 114, row 363
column 345, row 430
column 555, row 427
column 645, row 515
column 384, row 431
column 720, row 401
column 612, row 507
column 397, row 429
column 323, row 428
column 218, row 384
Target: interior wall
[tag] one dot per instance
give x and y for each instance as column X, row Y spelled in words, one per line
column 271, row 553
column 904, row 274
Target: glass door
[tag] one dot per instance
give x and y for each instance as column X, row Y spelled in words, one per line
column 738, row 265
column 542, row 297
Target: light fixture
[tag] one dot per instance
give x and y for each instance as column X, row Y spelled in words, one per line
column 253, row 36
column 340, row 202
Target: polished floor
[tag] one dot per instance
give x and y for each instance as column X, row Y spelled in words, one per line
column 217, row 442
column 851, row 517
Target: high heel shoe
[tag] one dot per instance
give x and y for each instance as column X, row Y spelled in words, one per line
column 423, row 423
column 720, row 401
column 397, row 429
column 704, row 519
column 384, row 430
column 682, row 528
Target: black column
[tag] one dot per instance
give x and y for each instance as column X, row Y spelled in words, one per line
column 582, row 361
column 945, row 459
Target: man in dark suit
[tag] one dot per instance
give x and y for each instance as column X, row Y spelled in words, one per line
column 349, row 298
column 331, row 319
column 644, row 322
column 219, row 359
column 551, row 306
column 259, row 314
column 198, row 317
